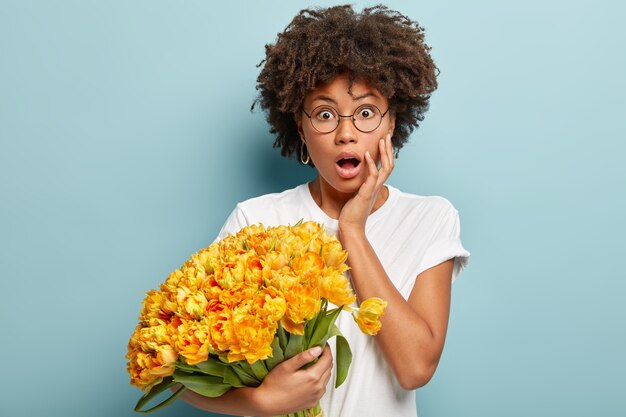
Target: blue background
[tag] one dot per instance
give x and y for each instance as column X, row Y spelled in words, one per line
column 126, row 139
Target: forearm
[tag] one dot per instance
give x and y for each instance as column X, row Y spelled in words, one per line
column 238, row 402
column 286, row 389
column 410, row 346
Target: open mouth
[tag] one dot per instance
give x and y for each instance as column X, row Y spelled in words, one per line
column 348, row 162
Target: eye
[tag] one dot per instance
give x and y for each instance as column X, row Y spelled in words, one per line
column 365, row 113
column 325, row 114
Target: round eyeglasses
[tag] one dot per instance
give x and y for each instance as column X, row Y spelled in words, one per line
column 366, row 118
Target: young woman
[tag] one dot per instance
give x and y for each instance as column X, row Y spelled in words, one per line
column 343, row 91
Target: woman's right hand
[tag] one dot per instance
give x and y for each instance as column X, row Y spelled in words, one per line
column 289, row 388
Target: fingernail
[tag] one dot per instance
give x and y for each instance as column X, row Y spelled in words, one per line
column 316, row 351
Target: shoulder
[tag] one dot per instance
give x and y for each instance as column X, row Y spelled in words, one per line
column 272, row 200
column 422, row 205
column 269, row 209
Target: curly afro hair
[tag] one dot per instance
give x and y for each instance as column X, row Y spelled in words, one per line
column 379, row 45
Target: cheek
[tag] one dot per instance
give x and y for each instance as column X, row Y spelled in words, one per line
column 317, row 153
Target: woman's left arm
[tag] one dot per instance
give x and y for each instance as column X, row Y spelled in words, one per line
column 414, row 330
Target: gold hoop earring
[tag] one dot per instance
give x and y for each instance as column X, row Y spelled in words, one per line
column 302, row 151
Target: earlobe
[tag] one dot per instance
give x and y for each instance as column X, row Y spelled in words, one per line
column 392, row 123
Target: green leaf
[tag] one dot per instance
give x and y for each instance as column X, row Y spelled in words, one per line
column 299, row 222
column 156, row 390
column 321, row 333
column 259, row 370
column 207, row 385
column 277, row 355
column 334, row 331
column 186, row 368
column 294, row 346
column 311, row 325
column 232, row 378
column 211, row 366
column 282, row 337
column 343, row 359
column 246, row 375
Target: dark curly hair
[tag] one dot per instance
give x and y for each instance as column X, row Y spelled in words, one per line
column 379, row 45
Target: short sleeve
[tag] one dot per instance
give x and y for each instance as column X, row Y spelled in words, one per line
column 446, row 244
column 235, row 222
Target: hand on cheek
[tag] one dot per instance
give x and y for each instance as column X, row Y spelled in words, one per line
column 355, row 212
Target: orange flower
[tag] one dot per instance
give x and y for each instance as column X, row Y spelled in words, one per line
column 253, row 275
column 192, row 341
column 139, row 366
column 369, row 313
column 150, row 356
column 166, row 356
column 333, row 254
column 228, row 299
column 222, row 335
column 270, row 305
column 335, row 287
column 303, row 303
column 149, row 339
column 254, row 337
column 308, row 267
column 152, row 311
column 172, row 281
column 193, row 305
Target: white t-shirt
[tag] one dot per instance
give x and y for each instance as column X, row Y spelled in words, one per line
column 410, row 234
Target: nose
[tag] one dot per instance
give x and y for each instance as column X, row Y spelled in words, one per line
column 346, row 131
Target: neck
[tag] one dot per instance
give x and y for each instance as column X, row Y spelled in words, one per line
column 331, row 201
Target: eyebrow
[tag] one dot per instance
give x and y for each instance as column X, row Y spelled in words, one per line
column 332, row 100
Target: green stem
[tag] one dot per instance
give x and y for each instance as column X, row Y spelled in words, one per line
column 316, row 411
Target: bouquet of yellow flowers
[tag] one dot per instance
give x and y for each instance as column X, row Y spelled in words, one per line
column 238, row 308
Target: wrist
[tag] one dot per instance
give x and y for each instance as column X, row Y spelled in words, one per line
column 351, row 231
column 257, row 398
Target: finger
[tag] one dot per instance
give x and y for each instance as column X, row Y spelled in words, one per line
column 326, row 376
column 303, row 358
column 327, row 357
column 372, row 176
column 387, row 156
column 384, row 157
column 385, row 167
column 390, row 152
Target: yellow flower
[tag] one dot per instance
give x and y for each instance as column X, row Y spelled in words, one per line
column 232, row 271
column 194, row 305
column 150, row 356
column 149, row 339
column 254, row 337
column 172, row 281
column 308, row 267
column 270, row 305
column 369, row 313
column 307, row 230
column 167, row 357
column 335, row 287
column 303, row 303
column 222, row 335
column 232, row 297
column 138, row 366
column 274, row 262
column 333, row 254
column 192, row 341
column 152, row 311
column 253, row 275
column 228, row 299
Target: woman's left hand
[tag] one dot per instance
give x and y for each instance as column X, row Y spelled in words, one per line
column 355, row 212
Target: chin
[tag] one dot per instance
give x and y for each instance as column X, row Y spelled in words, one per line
column 350, row 186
